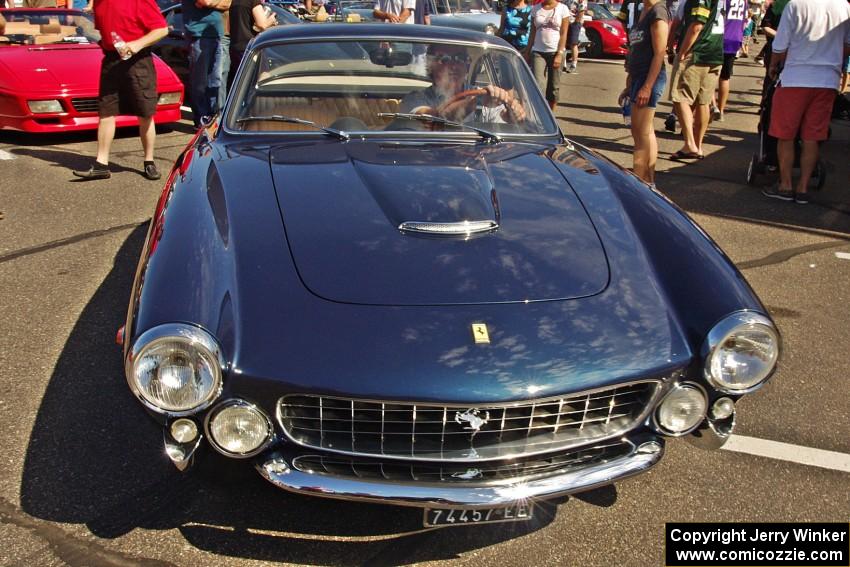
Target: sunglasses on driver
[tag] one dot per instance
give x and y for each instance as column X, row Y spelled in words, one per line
column 446, row 59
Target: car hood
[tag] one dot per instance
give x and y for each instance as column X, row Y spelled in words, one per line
column 52, row 68
column 47, row 68
column 342, row 205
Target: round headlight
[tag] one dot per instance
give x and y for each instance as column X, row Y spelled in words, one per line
column 175, row 369
column 681, row 410
column 239, row 429
column 741, row 352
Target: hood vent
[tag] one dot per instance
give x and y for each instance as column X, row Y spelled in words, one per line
column 463, row 228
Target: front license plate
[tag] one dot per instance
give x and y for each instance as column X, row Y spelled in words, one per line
column 518, row 512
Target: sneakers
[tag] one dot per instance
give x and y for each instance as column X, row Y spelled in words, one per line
column 151, row 172
column 719, row 116
column 801, row 198
column 670, row 123
column 571, row 68
column 715, row 113
column 96, row 171
column 775, row 193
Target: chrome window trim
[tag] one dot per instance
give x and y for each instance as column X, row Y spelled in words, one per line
column 224, row 404
column 654, row 398
column 169, row 331
column 718, row 335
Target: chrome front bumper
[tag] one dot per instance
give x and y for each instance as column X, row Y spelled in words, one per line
column 646, row 452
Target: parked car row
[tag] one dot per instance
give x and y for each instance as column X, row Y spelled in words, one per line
column 50, row 58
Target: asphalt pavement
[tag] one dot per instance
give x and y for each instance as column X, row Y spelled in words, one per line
column 83, row 480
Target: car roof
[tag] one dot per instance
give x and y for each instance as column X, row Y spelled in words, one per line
column 399, row 32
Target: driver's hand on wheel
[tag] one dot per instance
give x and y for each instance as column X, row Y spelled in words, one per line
column 512, row 105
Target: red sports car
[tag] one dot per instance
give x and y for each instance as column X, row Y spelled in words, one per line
column 50, row 70
column 605, row 32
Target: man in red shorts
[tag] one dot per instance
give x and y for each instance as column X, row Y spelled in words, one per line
column 812, row 39
column 127, row 86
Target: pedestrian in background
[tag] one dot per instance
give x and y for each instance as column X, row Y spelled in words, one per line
column 645, row 83
column 247, row 18
column 550, row 23
column 695, row 73
column 395, row 11
column 577, row 9
column 127, row 86
column 204, row 27
column 515, row 26
column 810, row 45
column 422, row 13
column 737, row 16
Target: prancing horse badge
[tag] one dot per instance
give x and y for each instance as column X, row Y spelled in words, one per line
column 479, row 331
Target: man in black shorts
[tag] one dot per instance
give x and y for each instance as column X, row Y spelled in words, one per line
column 127, row 77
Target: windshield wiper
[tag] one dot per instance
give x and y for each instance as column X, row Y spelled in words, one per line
column 486, row 134
column 289, row 119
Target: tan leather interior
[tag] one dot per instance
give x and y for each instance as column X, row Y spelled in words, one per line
column 41, row 33
column 52, row 27
column 323, row 111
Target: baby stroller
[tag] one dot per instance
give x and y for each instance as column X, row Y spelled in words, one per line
column 765, row 160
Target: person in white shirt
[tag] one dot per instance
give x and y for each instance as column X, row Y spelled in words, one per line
column 811, row 42
column 551, row 21
column 395, row 11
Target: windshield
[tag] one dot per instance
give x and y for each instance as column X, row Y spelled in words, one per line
column 42, row 27
column 367, row 86
column 600, row 12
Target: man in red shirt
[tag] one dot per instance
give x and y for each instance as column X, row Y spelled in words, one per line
column 127, row 76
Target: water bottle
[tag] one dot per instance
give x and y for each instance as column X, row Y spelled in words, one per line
column 120, row 46
column 627, row 111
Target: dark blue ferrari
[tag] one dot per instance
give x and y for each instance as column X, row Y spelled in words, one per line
column 382, row 273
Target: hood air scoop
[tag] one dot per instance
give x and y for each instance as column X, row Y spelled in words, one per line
column 463, row 228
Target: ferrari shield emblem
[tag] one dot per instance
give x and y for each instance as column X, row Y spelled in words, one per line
column 479, row 331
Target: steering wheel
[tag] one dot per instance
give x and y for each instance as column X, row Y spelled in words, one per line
column 451, row 105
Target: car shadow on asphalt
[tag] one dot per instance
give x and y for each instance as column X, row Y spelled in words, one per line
column 95, row 458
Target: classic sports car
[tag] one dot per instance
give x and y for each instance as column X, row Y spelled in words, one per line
column 50, row 71
column 382, row 273
column 604, row 32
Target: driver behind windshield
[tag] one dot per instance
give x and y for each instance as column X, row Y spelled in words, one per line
column 451, row 97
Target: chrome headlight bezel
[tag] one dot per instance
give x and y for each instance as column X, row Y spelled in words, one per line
column 193, row 337
column 727, row 328
column 678, row 387
column 237, row 402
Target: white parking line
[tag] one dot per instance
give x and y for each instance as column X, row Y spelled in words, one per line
column 786, row 452
column 842, row 255
column 6, row 155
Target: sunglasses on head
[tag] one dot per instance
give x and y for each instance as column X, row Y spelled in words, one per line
column 445, row 59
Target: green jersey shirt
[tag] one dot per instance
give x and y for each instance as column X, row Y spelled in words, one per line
column 708, row 48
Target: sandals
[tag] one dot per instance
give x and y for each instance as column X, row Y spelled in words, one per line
column 680, row 155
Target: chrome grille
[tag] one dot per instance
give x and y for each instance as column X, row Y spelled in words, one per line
column 404, row 430
column 85, row 104
column 423, row 471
